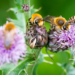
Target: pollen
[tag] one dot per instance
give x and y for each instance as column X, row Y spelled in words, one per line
column 41, row 22
column 9, row 26
column 68, row 26
column 60, row 21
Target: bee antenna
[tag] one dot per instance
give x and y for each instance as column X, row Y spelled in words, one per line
column 48, row 21
column 70, row 23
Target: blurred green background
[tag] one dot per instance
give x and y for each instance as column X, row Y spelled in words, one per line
column 66, row 8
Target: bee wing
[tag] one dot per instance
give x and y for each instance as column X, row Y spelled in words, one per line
column 8, row 40
column 49, row 18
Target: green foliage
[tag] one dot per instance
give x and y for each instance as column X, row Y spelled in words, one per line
column 64, row 8
column 20, row 21
column 1, row 73
column 37, row 61
column 17, row 69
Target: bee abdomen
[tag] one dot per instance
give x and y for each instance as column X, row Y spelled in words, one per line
column 72, row 19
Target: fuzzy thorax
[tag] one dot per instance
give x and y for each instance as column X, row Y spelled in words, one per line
column 60, row 22
column 35, row 15
column 36, row 19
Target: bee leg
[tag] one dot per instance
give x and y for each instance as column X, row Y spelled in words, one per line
column 27, row 26
column 52, row 27
column 49, row 54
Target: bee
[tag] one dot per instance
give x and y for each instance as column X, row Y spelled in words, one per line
column 57, row 22
column 37, row 32
column 36, row 19
column 9, row 32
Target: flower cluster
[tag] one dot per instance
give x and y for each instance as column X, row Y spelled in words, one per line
column 25, row 7
column 37, row 36
column 62, row 39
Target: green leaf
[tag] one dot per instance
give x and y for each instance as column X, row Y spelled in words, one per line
column 18, row 3
column 70, row 69
column 44, row 65
column 17, row 13
column 20, row 22
column 6, row 67
column 1, row 73
column 22, row 72
column 19, row 67
column 46, row 68
column 29, row 68
column 57, row 57
column 33, row 10
column 32, row 67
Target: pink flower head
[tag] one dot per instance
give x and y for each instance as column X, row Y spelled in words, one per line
column 62, row 40
column 12, row 44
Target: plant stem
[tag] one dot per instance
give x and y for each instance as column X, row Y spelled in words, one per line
column 27, row 14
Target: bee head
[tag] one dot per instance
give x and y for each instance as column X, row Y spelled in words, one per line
column 39, row 22
column 60, row 21
column 9, row 26
column 36, row 19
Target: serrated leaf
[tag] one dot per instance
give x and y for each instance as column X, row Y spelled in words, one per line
column 33, row 10
column 19, row 67
column 20, row 22
column 17, row 13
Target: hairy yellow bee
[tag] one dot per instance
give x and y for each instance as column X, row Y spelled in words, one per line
column 36, row 19
column 9, row 31
column 37, row 33
column 57, row 22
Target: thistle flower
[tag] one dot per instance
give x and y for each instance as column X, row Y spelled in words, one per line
column 25, row 7
column 37, row 36
column 12, row 44
column 61, row 40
